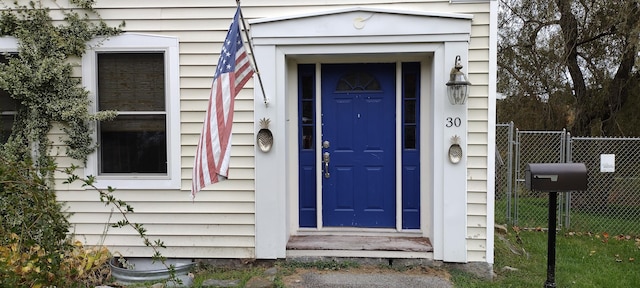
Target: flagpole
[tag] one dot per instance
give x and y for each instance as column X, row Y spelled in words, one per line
column 253, row 57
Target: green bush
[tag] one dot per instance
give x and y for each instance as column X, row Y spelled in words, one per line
column 33, row 226
column 29, row 207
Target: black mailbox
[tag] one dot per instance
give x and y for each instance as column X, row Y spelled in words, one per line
column 553, row 178
column 556, row 177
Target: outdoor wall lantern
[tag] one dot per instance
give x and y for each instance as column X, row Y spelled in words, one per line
column 458, row 86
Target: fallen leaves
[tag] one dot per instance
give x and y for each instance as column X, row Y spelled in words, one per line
column 608, row 239
column 621, row 237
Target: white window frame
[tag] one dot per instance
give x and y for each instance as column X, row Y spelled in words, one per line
column 132, row 42
column 8, row 44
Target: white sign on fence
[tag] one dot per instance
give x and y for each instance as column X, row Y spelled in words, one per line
column 607, row 163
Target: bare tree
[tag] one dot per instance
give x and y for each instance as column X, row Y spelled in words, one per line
column 584, row 49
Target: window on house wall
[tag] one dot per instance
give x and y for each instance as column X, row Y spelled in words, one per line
column 136, row 140
column 8, row 107
column 137, row 76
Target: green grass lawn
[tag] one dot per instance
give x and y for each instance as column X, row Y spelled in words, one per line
column 582, row 260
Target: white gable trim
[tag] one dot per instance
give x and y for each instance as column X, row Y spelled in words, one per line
column 361, row 26
column 363, row 9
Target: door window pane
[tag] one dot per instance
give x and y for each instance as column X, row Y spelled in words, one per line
column 410, row 86
column 307, row 105
column 358, row 81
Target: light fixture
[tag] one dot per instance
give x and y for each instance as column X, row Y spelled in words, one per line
column 458, row 86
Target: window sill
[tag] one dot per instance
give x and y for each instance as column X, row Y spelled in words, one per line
column 121, row 182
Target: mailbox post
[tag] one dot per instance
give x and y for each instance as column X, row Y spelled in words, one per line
column 553, row 178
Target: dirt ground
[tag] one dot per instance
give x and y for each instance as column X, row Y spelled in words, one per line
column 294, row 279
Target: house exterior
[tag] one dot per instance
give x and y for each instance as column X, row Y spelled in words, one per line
column 358, row 110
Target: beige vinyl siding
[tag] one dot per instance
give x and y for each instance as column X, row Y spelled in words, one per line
column 220, row 222
column 478, row 117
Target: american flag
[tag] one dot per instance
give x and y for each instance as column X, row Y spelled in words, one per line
column 234, row 69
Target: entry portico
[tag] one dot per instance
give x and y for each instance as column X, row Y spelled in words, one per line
column 356, row 46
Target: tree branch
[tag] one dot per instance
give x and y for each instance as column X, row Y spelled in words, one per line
column 596, row 37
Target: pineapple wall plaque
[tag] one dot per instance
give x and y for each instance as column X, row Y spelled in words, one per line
column 455, row 150
column 264, row 137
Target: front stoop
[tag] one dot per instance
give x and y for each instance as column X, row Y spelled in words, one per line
column 394, row 251
column 359, row 243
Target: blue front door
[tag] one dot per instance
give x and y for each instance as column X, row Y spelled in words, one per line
column 358, row 151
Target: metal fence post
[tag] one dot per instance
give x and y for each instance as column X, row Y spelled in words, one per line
column 569, row 159
column 517, row 166
column 509, row 170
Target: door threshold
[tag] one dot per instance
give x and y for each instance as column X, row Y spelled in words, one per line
column 320, row 255
column 349, row 231
column 415, row 244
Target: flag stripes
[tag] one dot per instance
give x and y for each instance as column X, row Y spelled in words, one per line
column 234, row 70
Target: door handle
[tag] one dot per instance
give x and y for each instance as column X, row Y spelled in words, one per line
column 325, row 160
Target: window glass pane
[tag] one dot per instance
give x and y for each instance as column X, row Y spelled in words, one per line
column 410, row 85
column 409, row 111
column 409, row 137
column 6, row 122
column 134, row 144
column 6, row 102
column 307, row 87
column 131, row 81
column 307, row 112
column 307, row 137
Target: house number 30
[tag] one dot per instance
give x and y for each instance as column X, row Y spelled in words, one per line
column 453, row 122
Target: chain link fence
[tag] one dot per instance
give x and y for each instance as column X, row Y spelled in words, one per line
column 612, row 200
column 530, row 208
column 610, row 204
